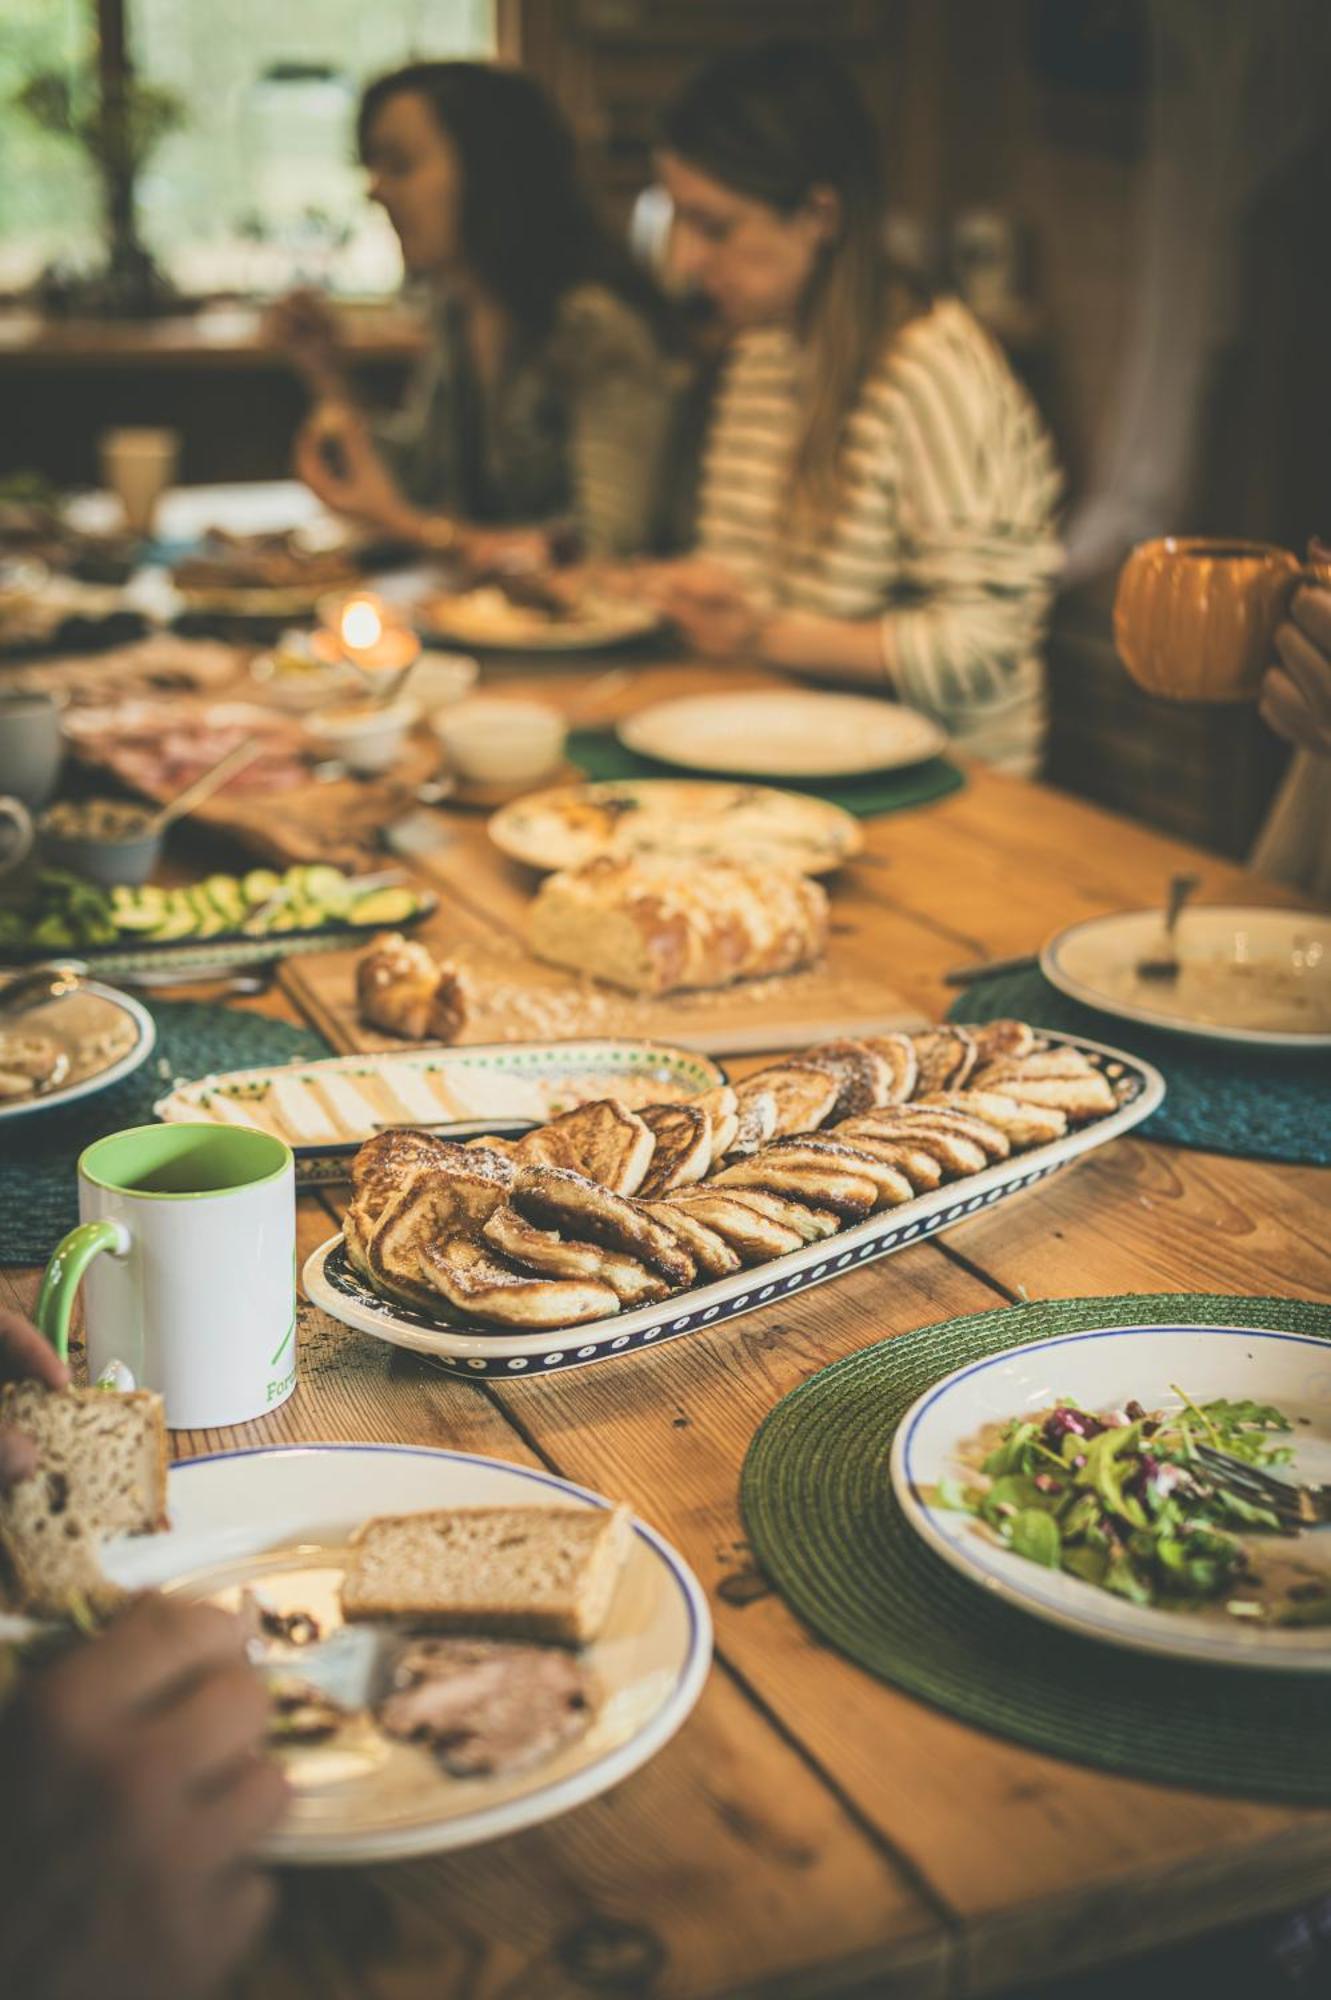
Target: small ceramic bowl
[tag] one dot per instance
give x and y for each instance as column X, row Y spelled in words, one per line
column 127, row 858
column 491, row 741
column 440, row 679
column 368, row 740
column 294, row 676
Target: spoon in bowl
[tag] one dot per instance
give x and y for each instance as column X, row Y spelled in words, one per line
column 1162, row 964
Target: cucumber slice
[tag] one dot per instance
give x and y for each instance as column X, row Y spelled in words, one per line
column 177, row 923
column 384, row 906
column 227, row 899
column 259, row 885
column 327, row 887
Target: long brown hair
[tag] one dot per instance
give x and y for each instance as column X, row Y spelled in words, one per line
column 774, row 122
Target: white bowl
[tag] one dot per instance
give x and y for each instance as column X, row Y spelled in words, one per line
column 368, row 740
column 292, row 678
column 493, row 741
column 440, row 679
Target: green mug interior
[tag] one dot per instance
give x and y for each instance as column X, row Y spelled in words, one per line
column 183, row 1162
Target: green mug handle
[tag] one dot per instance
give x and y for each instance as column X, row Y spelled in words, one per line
column 69, row 1260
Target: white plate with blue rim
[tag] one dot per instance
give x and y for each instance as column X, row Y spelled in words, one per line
column 946, row 1431
column 105, row 1034
column 278, row 1522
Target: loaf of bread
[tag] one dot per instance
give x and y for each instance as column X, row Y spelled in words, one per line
column 102, row 1471
column 657, row 927
column 402, row 990
column 509, row 1572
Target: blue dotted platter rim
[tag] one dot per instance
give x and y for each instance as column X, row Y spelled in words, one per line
column 480, row 1354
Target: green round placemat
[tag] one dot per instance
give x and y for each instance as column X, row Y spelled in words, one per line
column 1256, row 1104
column 39, row 1196
column 599, row 754
column 826, row 1529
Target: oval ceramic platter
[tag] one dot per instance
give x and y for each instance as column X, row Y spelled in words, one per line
column 1101, row 1371
column 325, row 1110
column 278, row 1522
column 478, row 1351
column 783, row 733
column 106, row 1034
column 1256, row 977
column 682, row 819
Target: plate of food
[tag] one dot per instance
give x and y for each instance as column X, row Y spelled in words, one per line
column 1260, row 977
column 676, row 819
column 220, row 921
column 527, row 615
column 70, row 1046
column 783, row 733
column 455, row 1647
column 159, row 747
column 607, row 1230
column 1138, row 1485
column 272, row 575
column 325, row 1111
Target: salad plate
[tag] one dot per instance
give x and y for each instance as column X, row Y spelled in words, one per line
column 331, row 1282
column 1258, row 978
column 278, row 1522
column 325, row 1110
column 1161, row 1370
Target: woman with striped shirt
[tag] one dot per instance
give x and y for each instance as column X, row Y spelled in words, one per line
column 877, row 492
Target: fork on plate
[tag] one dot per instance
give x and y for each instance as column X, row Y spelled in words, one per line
column 1294, row 1506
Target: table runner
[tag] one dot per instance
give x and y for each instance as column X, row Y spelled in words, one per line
column 601, row 755
column 825, row 1527
column 1257, row 1104
column 38, row 1155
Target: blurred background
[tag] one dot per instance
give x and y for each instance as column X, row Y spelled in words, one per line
column 1132, row 194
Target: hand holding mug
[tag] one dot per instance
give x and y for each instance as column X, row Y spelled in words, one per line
column 1296, row 692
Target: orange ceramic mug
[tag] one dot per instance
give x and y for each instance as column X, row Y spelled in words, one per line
column 1195, row 618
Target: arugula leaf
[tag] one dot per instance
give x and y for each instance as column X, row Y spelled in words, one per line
column 1034, row 1534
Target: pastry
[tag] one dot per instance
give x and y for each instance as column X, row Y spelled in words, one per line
column 402, row 990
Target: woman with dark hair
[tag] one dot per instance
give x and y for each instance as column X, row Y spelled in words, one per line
column 877, row 492
column 546, row 395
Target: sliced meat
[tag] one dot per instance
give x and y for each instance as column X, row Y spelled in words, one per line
column 488, row 1706
column 804, row 1096
column 898, row 1052
column 581, row 1208
column 1025, row 1124
column 710, row 1252
column 551, row 1255
column 921, row 1169
column 754, row 1238
column 946, row 1057
column 683, row 1136
column 483, row 1286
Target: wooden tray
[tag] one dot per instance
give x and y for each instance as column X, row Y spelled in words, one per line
column 516, row 998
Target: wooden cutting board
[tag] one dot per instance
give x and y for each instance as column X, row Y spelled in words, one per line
column 516, row 998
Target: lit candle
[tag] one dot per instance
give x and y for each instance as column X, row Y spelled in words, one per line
column 371, row 639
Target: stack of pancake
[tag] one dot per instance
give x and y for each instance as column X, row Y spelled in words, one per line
column 605, row 1209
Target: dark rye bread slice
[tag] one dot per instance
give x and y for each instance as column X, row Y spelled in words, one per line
column 581, row 1208
column 102, row 1471
column 551, row 1255
column 482, row 1286
column 683, row 1136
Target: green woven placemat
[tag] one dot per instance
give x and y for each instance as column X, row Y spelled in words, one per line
column 825, row 1527
column 1257, row 1104
column 38, row 1155
column 600, row 754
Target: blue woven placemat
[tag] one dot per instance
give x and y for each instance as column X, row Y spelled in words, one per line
column 38, row 1155
column 600, row 754
column 1257, row 1104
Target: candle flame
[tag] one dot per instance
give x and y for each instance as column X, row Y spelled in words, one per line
column 362, row 627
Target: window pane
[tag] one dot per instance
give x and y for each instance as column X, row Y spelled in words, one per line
column 259, row 189
column 48, row 191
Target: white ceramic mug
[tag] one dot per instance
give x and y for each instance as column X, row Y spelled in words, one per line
column 138, row 465
column 16, row 834
column 31, row 748
column 187, row 1252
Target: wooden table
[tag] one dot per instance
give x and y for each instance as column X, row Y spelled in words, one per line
column 810, row 1830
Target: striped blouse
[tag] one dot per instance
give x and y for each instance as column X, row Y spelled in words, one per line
column 944, row 528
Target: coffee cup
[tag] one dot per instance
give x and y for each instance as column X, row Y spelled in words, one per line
column 138, row 465
column 186, row 1251
column 1195, row 618
column 31, row 748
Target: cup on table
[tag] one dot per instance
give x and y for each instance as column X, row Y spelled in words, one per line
column 138, row 465
column 494, row 741
column 31, row 748
column 186, row 1250
column 16, row 833
column 1195, row 618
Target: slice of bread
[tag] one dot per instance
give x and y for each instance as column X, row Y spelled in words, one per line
column 510, row 1572
column 101, row 1471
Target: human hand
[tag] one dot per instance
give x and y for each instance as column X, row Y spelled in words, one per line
column 136, row 1793
column 25, row 1356
column 305, row 325
column 1296, row 693
column 336, row 457
column 712, row 606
